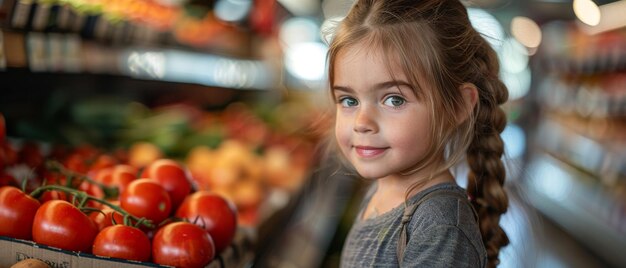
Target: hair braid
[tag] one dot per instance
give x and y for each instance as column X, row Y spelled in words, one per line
column 487, row 172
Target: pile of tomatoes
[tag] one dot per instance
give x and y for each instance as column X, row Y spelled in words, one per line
column 152, row 214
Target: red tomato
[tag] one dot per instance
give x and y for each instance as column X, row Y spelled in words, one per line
column 146, row 198
column 119, row 176
column 5, row 178
column 9, row 153
column 76, row 162
column 58, row 152
column 93, row 190
column 182, row 244
column 171, row 176
column 86, row 151
column 248, row 216
column 30, row 154
column 3, row 161
column 60, row 224
column 103, row 161
column 102, row 174
column 17, row 211
column 214, row 213
column 124, row 242
column 52, row 195
column 104, row 219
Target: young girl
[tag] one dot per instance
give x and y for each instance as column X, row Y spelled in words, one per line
column 417, row 91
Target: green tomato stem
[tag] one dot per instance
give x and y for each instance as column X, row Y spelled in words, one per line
column 109, row 191
column 84, row 197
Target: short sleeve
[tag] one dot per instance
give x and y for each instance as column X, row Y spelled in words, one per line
column 440, row 246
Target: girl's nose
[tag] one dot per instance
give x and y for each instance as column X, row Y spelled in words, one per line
column 365, row 121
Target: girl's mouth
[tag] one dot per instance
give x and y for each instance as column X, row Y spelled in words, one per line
column 368, row 151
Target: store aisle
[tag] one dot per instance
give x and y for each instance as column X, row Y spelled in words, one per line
column 537, row 242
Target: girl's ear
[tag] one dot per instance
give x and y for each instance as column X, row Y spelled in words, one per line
column 470, row 94
column 470, row 98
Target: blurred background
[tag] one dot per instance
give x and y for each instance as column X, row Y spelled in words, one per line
column 236, row 90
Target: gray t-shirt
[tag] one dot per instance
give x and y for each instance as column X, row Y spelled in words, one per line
column 441, row 233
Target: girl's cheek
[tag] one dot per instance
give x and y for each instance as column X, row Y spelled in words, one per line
column 342, row 134
column 339, row 123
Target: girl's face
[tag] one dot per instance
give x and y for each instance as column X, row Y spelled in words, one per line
column 382, row 126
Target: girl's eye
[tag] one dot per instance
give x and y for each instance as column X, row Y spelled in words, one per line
column 348, row 102
column 394, row 101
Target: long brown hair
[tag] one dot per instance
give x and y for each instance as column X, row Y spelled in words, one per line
column 436, row 46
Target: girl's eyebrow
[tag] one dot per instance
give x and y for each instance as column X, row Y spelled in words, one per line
column 377, row 86
column 343, row 88
column 392, row 83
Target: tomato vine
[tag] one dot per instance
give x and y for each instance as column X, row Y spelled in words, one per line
column 80, row 198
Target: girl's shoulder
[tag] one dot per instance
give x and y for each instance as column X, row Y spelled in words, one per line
column 442, row 204
column 445, row 218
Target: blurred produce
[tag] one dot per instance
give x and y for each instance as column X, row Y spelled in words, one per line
column 141, row 154
column 142, row 21
column 229, row 163
column 215, row 214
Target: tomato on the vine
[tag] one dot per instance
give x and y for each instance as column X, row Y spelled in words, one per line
column 17, row 211
column 53, row 195
column 146, row 198
column 215, row 214
column 102, row 161
column 182, row 244
column 75, row 162
column 92, row 190
column 121, row 241
column 105, row 217
column 60, row 224
column 118, row 176
column 171, row 176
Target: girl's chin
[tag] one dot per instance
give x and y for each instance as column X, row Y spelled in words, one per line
column 370, row 175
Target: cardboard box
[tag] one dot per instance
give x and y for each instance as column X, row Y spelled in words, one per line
column 14, row 250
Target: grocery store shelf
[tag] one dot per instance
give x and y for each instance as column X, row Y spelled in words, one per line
column 580, row 205
column 569, row 48
column 67, row 53
column 198, row 68
column 602, row 155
